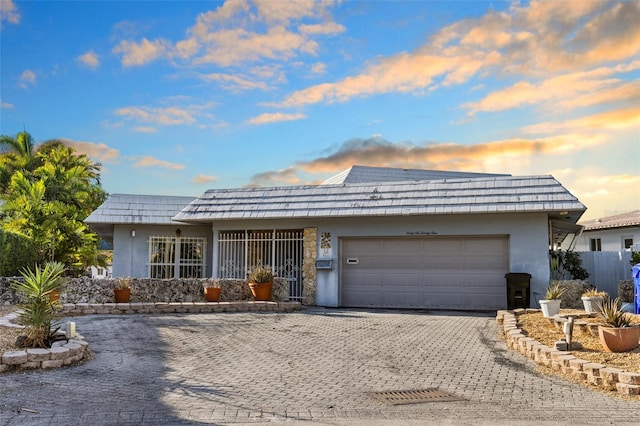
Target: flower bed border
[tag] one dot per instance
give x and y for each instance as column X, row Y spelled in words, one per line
column 599, row 375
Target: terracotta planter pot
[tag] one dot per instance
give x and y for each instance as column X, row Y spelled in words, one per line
column 212, row 294
column 592, row 305
column 122, row 295
column 550, row 308
column 261, row 291
column 619, row 339
column 54, row 296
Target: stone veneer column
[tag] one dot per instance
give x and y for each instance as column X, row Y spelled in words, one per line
column 310, row 247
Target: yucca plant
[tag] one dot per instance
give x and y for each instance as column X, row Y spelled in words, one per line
column 39, row 314
column 554, row 292
column 612, row 315
column 594, row 292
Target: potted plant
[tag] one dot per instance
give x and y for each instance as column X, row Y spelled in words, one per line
column 592, row 300
column 617, row 333
column 261, row 283
column 122, row 290
column 550, row 305
column 212, row 294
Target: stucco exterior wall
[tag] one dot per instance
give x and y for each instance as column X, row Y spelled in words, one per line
column 131, row 253
column 528, row 241
column 611, row 239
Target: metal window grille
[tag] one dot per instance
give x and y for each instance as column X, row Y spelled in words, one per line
column 282, row 250
column 175, row 257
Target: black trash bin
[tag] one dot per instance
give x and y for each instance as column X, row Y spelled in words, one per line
column 518, row 290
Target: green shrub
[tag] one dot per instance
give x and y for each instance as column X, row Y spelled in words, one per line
column 17, row 253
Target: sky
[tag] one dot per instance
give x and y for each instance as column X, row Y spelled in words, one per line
column 177, row 97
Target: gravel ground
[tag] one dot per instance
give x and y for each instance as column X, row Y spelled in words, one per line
column 8, row 334
column 541, row 329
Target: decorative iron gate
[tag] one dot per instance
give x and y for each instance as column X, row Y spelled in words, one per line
column 279, row 249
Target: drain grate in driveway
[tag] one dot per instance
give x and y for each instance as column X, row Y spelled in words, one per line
column 416, row 396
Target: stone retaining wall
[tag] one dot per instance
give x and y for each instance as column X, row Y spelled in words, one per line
column 150, row 290
column 572, row 298
column 596, row 374
column 62, row 352
column 73, row 309
column 626, row 291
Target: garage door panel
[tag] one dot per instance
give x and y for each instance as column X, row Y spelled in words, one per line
column 402, row 262
column 409, row 299
column 441, row 272
column 444, row 301
column 442, row 246
column 486, row 245
column 440, row 262
column 401, row 247
column 365, row 299
column 401, row 279
column 484, row 262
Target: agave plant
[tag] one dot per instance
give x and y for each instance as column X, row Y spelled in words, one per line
column 39, row 314
column 594, row 292
column 612, row 315
column 554, row 292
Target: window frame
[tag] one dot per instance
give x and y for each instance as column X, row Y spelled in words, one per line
column 172, row 263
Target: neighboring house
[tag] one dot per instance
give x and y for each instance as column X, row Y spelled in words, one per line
column 613, row 233
column 101, row 272
column 368, row 237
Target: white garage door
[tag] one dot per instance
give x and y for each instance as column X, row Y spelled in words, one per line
column 439, row 272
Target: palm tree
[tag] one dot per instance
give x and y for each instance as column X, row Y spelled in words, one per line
column 20, row 153
column 47, row 193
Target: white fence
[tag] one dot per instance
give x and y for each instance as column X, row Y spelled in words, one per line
column 606, row 268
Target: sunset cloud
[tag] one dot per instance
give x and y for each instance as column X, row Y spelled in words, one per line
column 593, row 87
column 89, row 59
column 154, row 162
column 164, row 116
column 145, row 129
column 96, row 151
column 488, row 156
column 137, row 54
column 204, row 179
column 607, row 191
column 275, row 117
column 240, row 32
column 9, row 12
column 608, row 120
column 27, row 79
column 234, row 82
column 538, row 40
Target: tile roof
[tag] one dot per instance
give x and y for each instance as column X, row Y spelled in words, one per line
column 495, row 194
column 618, row 221
column 363, row 174
column 138, row 209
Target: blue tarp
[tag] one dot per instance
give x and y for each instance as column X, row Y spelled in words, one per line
column 635, row 273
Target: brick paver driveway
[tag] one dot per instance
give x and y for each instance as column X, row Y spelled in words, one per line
column 318, row 365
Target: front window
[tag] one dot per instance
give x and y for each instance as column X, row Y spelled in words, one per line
column 627, row 243
column 177, row 257
column 596, row 244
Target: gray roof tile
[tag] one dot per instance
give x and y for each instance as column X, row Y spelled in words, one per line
column 484, row 194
